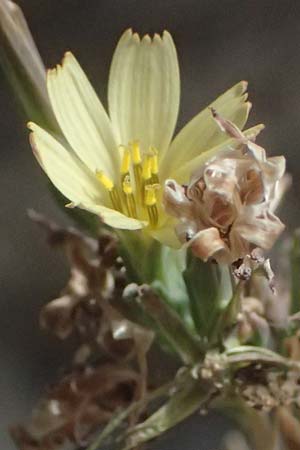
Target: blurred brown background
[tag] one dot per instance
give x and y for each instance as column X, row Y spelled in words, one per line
column 219, row 43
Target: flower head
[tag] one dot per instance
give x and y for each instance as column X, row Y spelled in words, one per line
column 226, row 210
column 116, row 164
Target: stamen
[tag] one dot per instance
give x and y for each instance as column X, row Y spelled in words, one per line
column 150, row 196
column 146, row 176
column 152, row 215
column 135, row 195
column 154, row 165
column 137, row 169
column 146, row 169
column 109, row 185
column 104, row 180
column 127, row 187
column 136, row 153
column 129, row 197
column 150, row 202
column 115, row 199
column 125, row 166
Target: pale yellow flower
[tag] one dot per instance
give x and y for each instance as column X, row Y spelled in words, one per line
column 116, row 164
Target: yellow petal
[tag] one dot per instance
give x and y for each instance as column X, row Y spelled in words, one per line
column 74, row 180
column 202, row 133
column 71, row 177
column 82, row 117
column 143, row 91
column 183, row 173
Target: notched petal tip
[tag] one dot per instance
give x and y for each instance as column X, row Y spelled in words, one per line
column 244, row 85
column 68, row 58
column 135, row 37
column 260, row 127
column 249, row 106
column 30, row 125
column 157, row 39
column 167, row 35
column 51, row 74
column 146, row 39
column 127, row 34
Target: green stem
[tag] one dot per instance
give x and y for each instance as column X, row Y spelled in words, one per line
column 171, row 326
column 183, row 403
column 210, row 289
column 137, row 249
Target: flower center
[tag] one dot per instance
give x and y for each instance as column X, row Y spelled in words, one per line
column 136, row 193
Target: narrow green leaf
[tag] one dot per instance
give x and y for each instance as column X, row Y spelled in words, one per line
column 183, row 403
column 171, row 326
column 248, row 354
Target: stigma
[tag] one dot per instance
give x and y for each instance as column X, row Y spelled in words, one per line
column 136, row 192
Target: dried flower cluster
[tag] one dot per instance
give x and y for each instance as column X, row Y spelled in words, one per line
column 227, row 209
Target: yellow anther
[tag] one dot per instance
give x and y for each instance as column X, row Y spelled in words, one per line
column 105, row 180
column 127, row 187
column 136, row 153
column 125, row 166
column 154, row 165
column 150, row 195
column 154, row 160
column 146, row 169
